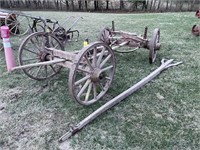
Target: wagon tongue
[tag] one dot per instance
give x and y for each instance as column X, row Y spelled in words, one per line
column 74, row 129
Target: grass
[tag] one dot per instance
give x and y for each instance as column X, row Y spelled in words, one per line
column 165, row 114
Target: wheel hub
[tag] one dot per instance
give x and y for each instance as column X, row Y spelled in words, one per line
column 43, row 56
column 96, row 75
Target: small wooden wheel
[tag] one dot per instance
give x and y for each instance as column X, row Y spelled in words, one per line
column 154, row 45
column 32, row 50
column 104, row 35
column 18, row 24
column 92, row 73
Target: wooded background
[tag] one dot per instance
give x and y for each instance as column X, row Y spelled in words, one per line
column 103, row 5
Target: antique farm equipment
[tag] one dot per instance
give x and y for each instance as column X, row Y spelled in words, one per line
column 15, row 20
column 75, row 128
column 20, row 23
column 196, row 28
column 48, row 25
column 117, row 39
column 91, row 69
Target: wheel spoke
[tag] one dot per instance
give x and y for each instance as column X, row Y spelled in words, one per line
column 105, row 60
column 82, row 80
column 94, row 63
column 46, row 73
column 37, row 73
column 88, row 62
column 83, row 70
column 108, row 78
column 101, row 86
column 21, row 19
column 100, row 57
column 53, row 68
column 95, row 91
column 83, row 88
column 31, row 51
column 16, row 29
column 30, row 59
column 35, row 43
column 13, row 27
column 88, row 92
column 107, row 68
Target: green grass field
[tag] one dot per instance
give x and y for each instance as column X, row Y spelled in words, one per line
column 164, row 114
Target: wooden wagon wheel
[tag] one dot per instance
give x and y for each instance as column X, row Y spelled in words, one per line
column 92, row 73
column 32, row 50
column 104, row 35
column 154, row 45
column 18, row 24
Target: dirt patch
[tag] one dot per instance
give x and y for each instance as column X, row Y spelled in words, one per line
column 11, row 94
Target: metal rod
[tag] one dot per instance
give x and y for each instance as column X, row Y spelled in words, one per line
column 39, row 64
column 75, row 22
column 117, row 99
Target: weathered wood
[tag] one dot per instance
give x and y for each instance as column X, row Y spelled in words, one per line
column 74, row 129
column 39, row 64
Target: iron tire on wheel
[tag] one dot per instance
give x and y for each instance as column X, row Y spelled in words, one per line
column 32, row 51
column 154, row 45
column 92, row 73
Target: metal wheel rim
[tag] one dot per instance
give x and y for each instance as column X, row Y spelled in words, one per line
column 18, row 24
column 32, row 51
column 88, row 89
column 38, row 28
column 155, row 39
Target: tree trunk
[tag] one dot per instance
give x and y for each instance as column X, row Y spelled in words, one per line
column 107, row 5
column 167, row 5
column 121, row 4
column 159, row 2
column 96, row 5
column 72, row 2
column 79, row 4
column 86, row 5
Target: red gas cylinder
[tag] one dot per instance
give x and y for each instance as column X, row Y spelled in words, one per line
column 196, row 30
column 197, row 14
column 5, row 32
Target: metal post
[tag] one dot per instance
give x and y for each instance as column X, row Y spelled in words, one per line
column 113, row 25
column 117, row 99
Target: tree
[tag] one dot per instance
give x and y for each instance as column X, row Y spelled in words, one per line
column 121, row 4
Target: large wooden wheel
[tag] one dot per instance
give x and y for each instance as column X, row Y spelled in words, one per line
column 32, row 50
column 154, row 45
column 92, row 73
column 104, row 35
column 18, row 24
